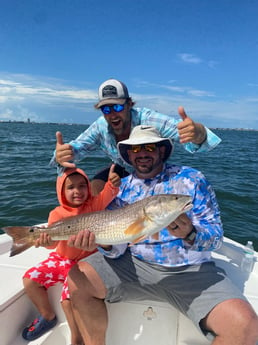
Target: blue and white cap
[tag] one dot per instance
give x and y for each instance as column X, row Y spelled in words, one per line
column 112, row 91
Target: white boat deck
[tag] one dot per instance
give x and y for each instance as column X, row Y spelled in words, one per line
column 139, row 323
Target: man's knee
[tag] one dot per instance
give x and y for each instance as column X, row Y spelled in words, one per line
column 249, row 325
column 233, row 318
column 83, row 279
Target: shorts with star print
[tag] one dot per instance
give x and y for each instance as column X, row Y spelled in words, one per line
column 52, row 271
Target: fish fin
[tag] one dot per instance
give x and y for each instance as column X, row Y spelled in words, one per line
column 19, row 234
column 136, row 227
column 141, row 238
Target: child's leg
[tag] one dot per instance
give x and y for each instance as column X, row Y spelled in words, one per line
column 39, row 296
column 47, row 319
column 76, row 338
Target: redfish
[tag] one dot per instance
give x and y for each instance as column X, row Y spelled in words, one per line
column 129, row 224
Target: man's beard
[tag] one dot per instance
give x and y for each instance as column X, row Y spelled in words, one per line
column 146, row 168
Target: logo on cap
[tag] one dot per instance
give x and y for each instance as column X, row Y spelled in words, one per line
column 109, row 91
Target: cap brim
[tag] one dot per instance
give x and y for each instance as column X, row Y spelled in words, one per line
column 110, row 101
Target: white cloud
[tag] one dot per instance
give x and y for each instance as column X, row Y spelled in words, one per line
column 7, row 114
column 187, row 90
column 200, row 93
column 211, row 112
column 190, row 58
column 3, row 99
column 8, row 82
column 24, row 96
column 37, row 87
column 195, row 60
column 9, row 98
column 50, row 100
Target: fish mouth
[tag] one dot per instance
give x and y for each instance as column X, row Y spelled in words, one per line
column 187, row 206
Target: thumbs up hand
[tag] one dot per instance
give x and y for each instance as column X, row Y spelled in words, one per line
column 190, row 131
column 113, row 177
column 64, row 152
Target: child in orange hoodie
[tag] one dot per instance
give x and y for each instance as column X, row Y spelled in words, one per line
column 74, row 195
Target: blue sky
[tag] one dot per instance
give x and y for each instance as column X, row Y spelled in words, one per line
column 201, row 54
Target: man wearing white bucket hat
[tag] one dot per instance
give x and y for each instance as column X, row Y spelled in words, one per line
column 119, row 117
column 144, row 135
column 176, row 267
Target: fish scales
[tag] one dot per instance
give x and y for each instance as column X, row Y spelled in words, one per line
column 108, row 226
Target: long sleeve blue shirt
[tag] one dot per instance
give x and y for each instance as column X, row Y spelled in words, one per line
column 99, row 136
column 169, row 250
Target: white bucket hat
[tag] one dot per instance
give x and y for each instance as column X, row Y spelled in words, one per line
column 144, row 135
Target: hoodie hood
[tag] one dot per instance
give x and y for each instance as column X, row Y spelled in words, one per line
column 59, row 189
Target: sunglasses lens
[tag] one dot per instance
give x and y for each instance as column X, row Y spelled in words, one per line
column 150, row 147
column 146, row 147
column 106, row 109
column 118, row 107
column 136, row 148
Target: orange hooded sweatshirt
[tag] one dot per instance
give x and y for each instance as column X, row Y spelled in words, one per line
column 93, row 203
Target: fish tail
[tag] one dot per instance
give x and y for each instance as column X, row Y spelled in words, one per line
column 19, row 234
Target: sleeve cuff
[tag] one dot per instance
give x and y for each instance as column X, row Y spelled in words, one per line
column 211, row 141
column 115, row 252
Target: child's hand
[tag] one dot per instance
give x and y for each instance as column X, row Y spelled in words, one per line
column 113, row 177
column 44, row 240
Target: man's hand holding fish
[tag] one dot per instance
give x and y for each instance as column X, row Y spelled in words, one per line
column 84, row 240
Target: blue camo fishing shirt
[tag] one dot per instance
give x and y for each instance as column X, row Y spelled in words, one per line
column 169, row 250
column 100, row 137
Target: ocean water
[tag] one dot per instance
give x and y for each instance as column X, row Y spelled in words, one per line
column 27, row 183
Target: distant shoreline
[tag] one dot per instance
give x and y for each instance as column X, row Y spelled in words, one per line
column 84, row 124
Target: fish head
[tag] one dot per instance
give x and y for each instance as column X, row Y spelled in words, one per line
column 165, row 208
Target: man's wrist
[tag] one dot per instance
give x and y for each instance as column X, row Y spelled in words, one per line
column 202, row 134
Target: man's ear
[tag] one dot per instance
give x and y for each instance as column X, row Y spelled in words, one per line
column 129, row 155
column 130, row 102
column 162, row 151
